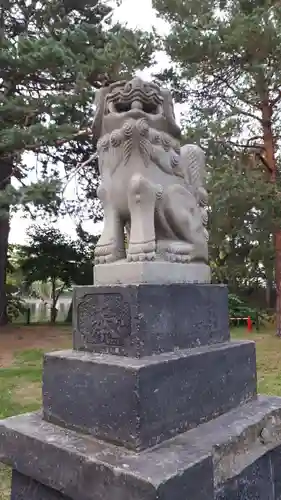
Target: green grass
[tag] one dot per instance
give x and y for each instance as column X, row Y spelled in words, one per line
column 268, row 348
column 22, row 376
column 5, row 481
column 30, row 357
column 20, row 392
column 20, row 384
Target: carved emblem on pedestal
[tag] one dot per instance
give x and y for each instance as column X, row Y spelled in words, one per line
column 104, row 319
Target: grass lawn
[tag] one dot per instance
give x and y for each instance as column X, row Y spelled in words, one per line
column 268, row 348
column 21, row 353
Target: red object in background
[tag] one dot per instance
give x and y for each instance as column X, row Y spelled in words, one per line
column 249, row 324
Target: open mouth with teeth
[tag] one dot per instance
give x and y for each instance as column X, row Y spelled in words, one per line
column 148, row 107
column 124, row 100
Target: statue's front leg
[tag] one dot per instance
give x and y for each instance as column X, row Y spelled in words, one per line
column 111, row 245
column 141, row 201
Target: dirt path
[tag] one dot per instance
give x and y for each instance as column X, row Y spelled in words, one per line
column 18, row 338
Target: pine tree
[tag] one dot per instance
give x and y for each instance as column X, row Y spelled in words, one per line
column 53, row 57
column 226, row 57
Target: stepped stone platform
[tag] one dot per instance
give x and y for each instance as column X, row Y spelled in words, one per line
column 134, row 414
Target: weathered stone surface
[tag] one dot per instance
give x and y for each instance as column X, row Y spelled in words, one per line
column 25, row 488
column 254, row 483
column 86, row 469
column 150, row 186
column 141, row 402
column 187, row 485
column 148, row 319
column 156, row 272
column 259, row 481
column 275, row 461
column 236, row 439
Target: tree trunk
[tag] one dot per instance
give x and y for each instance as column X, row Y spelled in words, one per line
column 269, row 149
column 6, row 168
column 4, row 233
column 268, row 293
column 53, row 314
column 54, row 303
column 278, row 281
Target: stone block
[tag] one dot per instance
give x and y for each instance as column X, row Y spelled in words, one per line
column 226, row 453
column 25, row 488
column 155, row 272
column 141, row 402
column 149, row 319
column 238, row 439
column 254, row 483
column 86, row 469
column 275, row 460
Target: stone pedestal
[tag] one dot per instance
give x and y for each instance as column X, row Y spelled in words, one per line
column 153, row 273
column 154, row 402
column 141, row 320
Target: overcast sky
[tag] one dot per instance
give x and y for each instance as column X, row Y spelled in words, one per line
column 137, row 13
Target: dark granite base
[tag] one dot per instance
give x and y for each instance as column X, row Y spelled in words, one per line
column 255, row 483
column 85, row 469
column 275, row 460
column 25, row 488
column 141, row 402
column 260, row 481
column 140, row 320
column 227, row 452
column 174, row 370
column 185, row 486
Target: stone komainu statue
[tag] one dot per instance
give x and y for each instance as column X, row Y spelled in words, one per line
column 150, row 186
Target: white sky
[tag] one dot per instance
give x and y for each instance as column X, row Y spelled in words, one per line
column 137, row 13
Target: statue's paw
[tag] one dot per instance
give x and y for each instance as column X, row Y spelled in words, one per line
column 104, row 254
column 179, row 252
column 173, row 257
column 142, row 257
column 140, row 252
column 107, row 259
column 186, row 252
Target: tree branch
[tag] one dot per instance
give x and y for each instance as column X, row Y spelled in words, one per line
column 239, row 110
column 59, row 291
column 236, row 92
column 257, row 147
column 37, row 146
